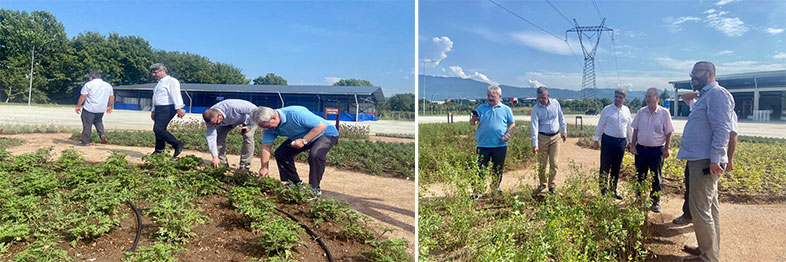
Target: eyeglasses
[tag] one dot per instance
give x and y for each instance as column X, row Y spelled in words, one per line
column 697, row 70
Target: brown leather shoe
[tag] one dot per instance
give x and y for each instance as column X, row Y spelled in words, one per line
column 691, row 250
column 103, row 139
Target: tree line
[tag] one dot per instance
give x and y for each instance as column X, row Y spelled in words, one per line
column 61, row 65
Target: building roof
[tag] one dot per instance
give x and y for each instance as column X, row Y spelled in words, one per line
column 744, row 80
column 374, row 91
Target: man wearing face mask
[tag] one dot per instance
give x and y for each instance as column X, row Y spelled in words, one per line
column 222, row 118
column 495, row 126
column 545, row 124
column 614, row 126
column 703, row 146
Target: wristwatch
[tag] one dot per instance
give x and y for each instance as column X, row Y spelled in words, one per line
column 305, row 142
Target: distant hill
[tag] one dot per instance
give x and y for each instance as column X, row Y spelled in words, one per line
column 441, row 88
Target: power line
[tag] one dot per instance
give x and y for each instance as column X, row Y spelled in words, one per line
column 619, row 80
column 559, row 12
column 597, row 9
column 525, row 20
column 571, row 51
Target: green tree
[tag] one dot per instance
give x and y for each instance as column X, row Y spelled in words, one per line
column 664, row 96
column 270, row 79
column 193, row 68
column 402, row 102
column 352, row 82
column 22, row 33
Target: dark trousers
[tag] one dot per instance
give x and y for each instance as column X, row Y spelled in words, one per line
column 161, row 118
column 650, row 159
column 685, row 206
column 317, row 156
column 612, row 150
column 497, row 157
column 88, row 120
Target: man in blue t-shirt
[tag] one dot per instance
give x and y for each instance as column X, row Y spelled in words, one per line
column 304, row 131
column 495, row 126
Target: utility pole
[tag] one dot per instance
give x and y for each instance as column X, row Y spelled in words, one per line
column 588, row 32
column 30, row 88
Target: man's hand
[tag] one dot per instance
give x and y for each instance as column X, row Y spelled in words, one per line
column 666, row 152
column 153, row 115
column 181, row 113
column 564, row 137
column 729, row 166
column 715, row 169
column 505, row 138
column 297, row 143
column 244, row 129
column 535, row 150
column 689, row 96
column 595, row 145
column 78, row 109
column 632, row 149
column 474, row 119
column 108, row 109
column 216, row 162
column 263, row 172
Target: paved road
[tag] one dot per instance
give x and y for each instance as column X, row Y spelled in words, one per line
column 747, row 127
column 140, row 120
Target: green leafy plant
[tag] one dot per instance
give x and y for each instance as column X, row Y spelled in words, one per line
column 159, row 252
column 279, row 236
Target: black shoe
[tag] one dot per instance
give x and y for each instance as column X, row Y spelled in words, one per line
column 83, row 144
column 156, row 152
column 553, row 191
column 540, row 189
column 603, row 191
column 178, row 149
column 691, row 250
column 682, row 220
column 618, row 197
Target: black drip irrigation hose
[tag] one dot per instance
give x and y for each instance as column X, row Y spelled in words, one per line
column 138, row 225
column 303, row 225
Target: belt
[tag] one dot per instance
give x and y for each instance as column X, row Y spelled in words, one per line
column 548, row 134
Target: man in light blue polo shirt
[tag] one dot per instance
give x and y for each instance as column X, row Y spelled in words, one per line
column 222, row 118
column 545, row 124
column 304, row 131
column 495, row 126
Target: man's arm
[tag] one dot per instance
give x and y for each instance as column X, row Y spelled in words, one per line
column 562, row 123
column 533, row 127
column 80, row 102
column 109, row 105
column 599, row 128
column 732, row 148
column 633, row 140
column 314, row 133
column 211, row 136
column 509, row 132
column 720, row 120
column 177, row 98
column 264, row 156
column 667, row 147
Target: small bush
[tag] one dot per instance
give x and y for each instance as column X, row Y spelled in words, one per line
column 159, row 252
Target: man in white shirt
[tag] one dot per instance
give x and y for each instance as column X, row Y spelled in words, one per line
column 614, row 126
column 167, row 102
column 95, row 97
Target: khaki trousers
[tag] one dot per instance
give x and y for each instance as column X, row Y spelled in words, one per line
column 548, row 152
column 246, row 152
column 703, row 203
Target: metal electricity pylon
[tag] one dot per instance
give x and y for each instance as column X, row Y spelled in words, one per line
column 588, row 32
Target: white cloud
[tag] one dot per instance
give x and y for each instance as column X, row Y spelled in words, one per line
column 709, row 11
column 541, row 41
column 457, row 71
column 438, row 51
column 724, row 52
column 674, row 24
column 774, row 31
column 747, row 66
column 730, row 26
column 723, row 2
column 535, row 83
column 679, row 65
column 779, row 55
column 332, row 79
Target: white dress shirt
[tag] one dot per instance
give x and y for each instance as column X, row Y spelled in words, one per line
column 614, row 122
column 98, row 93
column 167, row 92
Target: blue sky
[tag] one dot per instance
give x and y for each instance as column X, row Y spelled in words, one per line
column 655, row 41
column 306, row 42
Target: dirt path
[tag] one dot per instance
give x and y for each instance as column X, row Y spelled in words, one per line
column 748, row 232
column 388, row 201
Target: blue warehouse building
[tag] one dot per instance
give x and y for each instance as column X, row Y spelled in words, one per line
column 355, row 103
